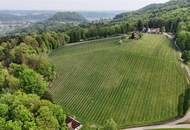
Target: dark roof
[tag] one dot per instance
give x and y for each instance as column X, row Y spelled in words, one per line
column 74, row 123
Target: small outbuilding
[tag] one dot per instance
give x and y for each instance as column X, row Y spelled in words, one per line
column 73, row 124
column 154, row 30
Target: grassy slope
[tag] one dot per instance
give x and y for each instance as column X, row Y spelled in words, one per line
column 138, row 82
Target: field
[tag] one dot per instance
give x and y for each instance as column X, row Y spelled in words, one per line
column 136, row 82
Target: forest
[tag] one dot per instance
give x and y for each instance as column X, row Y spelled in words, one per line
column 25, row 75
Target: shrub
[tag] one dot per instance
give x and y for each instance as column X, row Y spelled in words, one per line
column 186, row 56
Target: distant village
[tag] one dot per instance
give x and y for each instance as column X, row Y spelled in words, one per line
column 12, row 25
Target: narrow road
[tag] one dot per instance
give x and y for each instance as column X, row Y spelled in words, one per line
column 96, row 40
column 175, row 123
column 172, row 124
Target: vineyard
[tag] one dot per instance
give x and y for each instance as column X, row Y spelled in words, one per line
column 136, row 82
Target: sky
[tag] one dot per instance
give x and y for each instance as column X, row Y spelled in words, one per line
column 76, row 5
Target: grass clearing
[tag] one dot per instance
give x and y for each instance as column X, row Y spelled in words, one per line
column 137, row 82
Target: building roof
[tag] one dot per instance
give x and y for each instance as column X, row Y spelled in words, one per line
column 72, row 122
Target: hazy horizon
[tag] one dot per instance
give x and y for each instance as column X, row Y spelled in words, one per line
column 76, row 5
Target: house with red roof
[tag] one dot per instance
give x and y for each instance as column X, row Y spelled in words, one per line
column 73, row 124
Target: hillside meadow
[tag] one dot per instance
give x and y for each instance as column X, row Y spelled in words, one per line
column 137, row 82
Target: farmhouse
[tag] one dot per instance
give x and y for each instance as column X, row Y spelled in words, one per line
column 154, row 30
column 73, row 124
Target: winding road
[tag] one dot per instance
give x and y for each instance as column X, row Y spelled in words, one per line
column 96, row 40
column 172, row 124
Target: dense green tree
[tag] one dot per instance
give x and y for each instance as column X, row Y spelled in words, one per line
column 162, row 29
column 42, row 65
column 8, row 58
column 186, row 55
column 30, row 81
column 20, row 111
column 2, row 123
column 2, row 54
column 140, row 25
column 31, row 40
column 4, row 110
column 8, row 82
column 13, row 125
column 183, row 40
column 45, row 120
column 21, row 52
column 3, row 74
column 110, row 125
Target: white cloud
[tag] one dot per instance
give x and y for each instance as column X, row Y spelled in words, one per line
column 76, row 4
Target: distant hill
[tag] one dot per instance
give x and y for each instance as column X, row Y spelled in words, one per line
column 9, row 17
column 156, row 10
column 68, row 17
column 57, row 22
column 21, row 15
column 98, row 15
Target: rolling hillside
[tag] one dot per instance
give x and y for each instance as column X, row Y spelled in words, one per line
column 135, row 83
column 173, row 9
column 67, row 17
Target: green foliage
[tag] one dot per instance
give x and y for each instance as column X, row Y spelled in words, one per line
column 67, row 38
column 4, row 110
column 30, row 81
column 31, row 40
column 172, row 16
column 95, row 31
column 12, row 83
column 183, row 40
column 13, row 125
column 20, row 111
column 43, row 66
column 3, row 74
column 167, row 15
column 110, row 125
column 7, row 81
column 186, row 55
column 2, row 123
column 9, row 125
column 2, row 54
column 140, row 25
column 162, row 29
column 46, row 120
column 21, row 52
column 28, row 50
column 23, row 67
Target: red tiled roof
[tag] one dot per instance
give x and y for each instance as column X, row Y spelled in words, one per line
column 74, row 123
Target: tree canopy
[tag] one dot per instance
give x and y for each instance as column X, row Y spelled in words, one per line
column 20, row 111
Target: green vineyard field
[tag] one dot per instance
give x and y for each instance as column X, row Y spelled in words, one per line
column 137, row 82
